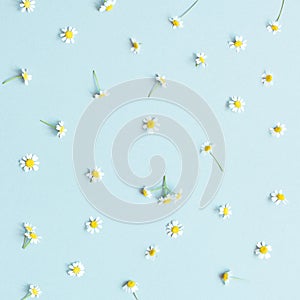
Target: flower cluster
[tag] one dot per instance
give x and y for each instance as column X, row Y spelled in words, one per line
column 30, row 235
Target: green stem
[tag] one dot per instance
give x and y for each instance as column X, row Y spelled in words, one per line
column 48, row 124
column 238, row 278
column 155, row 85
column 135, row 296
column 216, row 161
column 96, row 81
column 280, row 12
column 12, row 78
column 26, row 242
column 26, row 297
column 181, row 16
column 155, row 189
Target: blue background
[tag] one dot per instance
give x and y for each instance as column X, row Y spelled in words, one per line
column 257, row 163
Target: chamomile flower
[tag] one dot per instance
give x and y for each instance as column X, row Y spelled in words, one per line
column 176, row 22
column 26, row 77
column 146, row 192
column 236, row 104
column 178, row 195
column 34, row 291
column 108, row 5
column 225, row 277
column 33, row 237
column 151, row 252
column 161, row 79
column 274, row 27
column 151, row 124
column 76, row 269
column 68, row 34
column 225, row 211
column 131, row 286
column 174, row 229
column 278, row 197
column 263, row 250
column 95, row 175
column 267, row 79
column 278, row 130
column 166, row 199
column 206, row 148
column 27, row 5
column 28, row 227
column 101, row 94
column 93, row 225
column 238, row 43
column 61, row 130
column 135, row 46
column 200, row 59
column 29, row 162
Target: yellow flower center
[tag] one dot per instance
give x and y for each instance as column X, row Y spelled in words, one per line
column 178, row 196
column 94, row 224
column 25, row 76
column 109, row 7
column 29, row 163
column 135, row 45
column 225, row 211
column 28, row 228
column 274, row 27
column 167, row 201
column 280, row 197
column 207, row 148
column 277, row 129
column 61, row 129
column 95, row 174
column 131, row 284
column 27, row 4
column 145, row 193
column 238, row 104
column 34, row 292
column 76, row 270
column 69, row 34
column 269, row 78
column 152, row 252
column 33, row 235
column 263, row 250
column 225, row 276
column 238, row 44
column 151, row 124
column 202, row 59
column 175, row 23
column 175, row 229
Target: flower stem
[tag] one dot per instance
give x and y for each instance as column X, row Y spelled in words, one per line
column 48, row 124
column 26, row 297
column 135, row 296
column 280, row 12
column 155, row 189
column 26, row 242
column 155, row 85
column 12, row 78
column 238, row 278
column 96, row 81
column 216, row 161
column 182, row 15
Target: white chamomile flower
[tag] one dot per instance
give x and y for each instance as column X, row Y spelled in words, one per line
column 174, row 229
column 151, row 252
column 236, row 104
column 225, row 211
column 93, row 225
column 136, row 46
column 151, row 124
column 274, row 27
column 161, row 79
column 33, row 237
column 27, row 5
column 146, row 193
column 206, row 148
column 278, row 197
column 68, row 34
column 178, row 195
column 34, row 291
column 263, row 250
column 166, row 199
column 29, row 162
column 267, row 79
column 26, row 77
column 238, row 43
column 76, row 269
column 278, row 130
column 28, row 227
column 201, row 59
column 101, row 94
column 226, row 276
column 61, row 130
column 95, row 175
column 131, row 286
column 176, row 22
column 108, row 5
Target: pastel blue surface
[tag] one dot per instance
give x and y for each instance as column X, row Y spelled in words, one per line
column 62, row 87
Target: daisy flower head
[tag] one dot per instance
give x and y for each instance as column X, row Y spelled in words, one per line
column 236, row 104
column 26, row 77
column 76, row 269
column 101, row 94
column 29, row 162
column 274, row 27
column 174, row 229
column 146, row 192
column 200, row 59
column 225, row 277
column 95, row 175
column 178, row 195
column 34, row 291
column 161, row 79
column 263, row 250
column 176, row 22
column 61, row 130
column 206, row 148
column 27, row 5
column 150, row 124
column 107, row 5
column 130, row 286
column 94, row 225
column 33, row 237
column 238, row 43
column 225, row 211
column 278, row 197
column 28, row 227
column 278, row 130
column 135, row 46
column 166, row 199
column 267, row 79
column 151, row 252
column 68, row 34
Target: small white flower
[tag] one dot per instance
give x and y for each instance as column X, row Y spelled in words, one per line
column 146, row 192
column 68, row 34
column 278, row 197
column 94, row 225
column 166, row 199
column 26, row 77
column 174, row 229
column 33, row 237
column 101, row 94
column 176, row 22
column 28, row 227
column 76, row 269
column 201, row 59
column 278, row 130
column 61, row 130
column 95, row 175
column 225, row 211
column 151, row 252
column 130, row 287
column 178, row 195
column 29, row 162
column 151, row 124
column 263, row 250
column 274, row 27
column 236, row 104
column 108, row 5
column 161, row 79
column 34, row 291
column 226, row 276
column 238, row 43
column 136, row 46
column 206, row 148
column 267, row 79
column 27, row 5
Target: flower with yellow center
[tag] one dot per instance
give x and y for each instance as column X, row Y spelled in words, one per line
column 169, row 198
column 278, row 130
column 176, row 22
column 151, row 124
column 263, row 250
column 34, row 291
column 238, row 43
column 29, row 162
column 267, row 79
column 146, row 192
column 174, row 229
column 278, row 197
column 225, row 277
column 108, row 5
column 151, row 252
column 28, row 227
column 236, row 104
column 68, row 34
column 206, row 148
column 225, row 211
column 178, row 195
column 33, row 237
column 76, row 269
column 161, row 79
column 201, row 59
column 94, row 225
column 95, row 175
column 101, row 94
column 135, row 46
column 274, row 27
column 27, row 5
column 131, row 286
column 61, row 129
column 26, row 77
